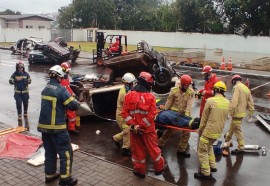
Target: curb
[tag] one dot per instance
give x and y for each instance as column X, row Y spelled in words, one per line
column 247, row 74
column 4, row 48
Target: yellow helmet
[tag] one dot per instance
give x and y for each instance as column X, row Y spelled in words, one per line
column 220, row 86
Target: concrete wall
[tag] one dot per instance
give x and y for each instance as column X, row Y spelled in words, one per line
column 36, row 23
column 254, row 44
column 12, row 35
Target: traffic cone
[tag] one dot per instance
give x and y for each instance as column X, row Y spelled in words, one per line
column 230, row 66
column 268, row 93
column 223, row 65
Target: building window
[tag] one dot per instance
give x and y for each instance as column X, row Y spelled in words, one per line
column 29, row 26
column 41, row 27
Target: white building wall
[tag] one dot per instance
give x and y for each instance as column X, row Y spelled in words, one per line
column 36, row 23
column 2, row 23
column 12, row 35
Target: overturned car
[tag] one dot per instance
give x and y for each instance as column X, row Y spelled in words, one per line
column 25, row 45
column 53, row 52
column 98, row 95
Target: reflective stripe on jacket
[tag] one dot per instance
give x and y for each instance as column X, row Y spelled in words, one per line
column 180, row 101
column 140, row 109
column 55, row 100
column 214, row 115
column 20, row 80
column 241, row 101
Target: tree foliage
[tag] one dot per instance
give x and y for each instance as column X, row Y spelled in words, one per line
column 205, row 16
column 10, row 12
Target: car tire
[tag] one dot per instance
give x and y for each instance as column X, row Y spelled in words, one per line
column 163, row 77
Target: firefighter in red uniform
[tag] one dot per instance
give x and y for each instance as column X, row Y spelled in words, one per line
column 139, row 110
column 71, row 115
column 115, row 46
column 210, row 80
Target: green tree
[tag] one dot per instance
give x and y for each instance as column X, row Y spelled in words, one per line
column 245, row 16
column 10, row 12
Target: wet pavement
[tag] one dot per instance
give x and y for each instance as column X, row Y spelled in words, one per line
column 248, row 169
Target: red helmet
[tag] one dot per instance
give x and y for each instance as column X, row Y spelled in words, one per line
column 185, row 80
column 66, row 67
column 207, row 69
column 147, row 77
column 117, row 38
column 235, row 78
column 19, row 65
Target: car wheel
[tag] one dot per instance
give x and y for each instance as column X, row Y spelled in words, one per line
column 163, row 77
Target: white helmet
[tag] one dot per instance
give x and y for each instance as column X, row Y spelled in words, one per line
column 56, row 70
column 128, row 78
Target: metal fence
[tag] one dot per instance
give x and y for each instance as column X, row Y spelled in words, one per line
column 65, row 33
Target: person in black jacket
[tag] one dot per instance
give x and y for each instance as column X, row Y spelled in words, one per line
column 20, row 79
column 52, row 124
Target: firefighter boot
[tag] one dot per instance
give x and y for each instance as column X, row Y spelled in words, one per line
column 117, row 143
column 126, row 152
column 199, row 175
column 69, row 182
column 51, row 178
column 138, row 174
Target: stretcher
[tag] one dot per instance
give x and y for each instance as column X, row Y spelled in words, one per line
column 177, row 128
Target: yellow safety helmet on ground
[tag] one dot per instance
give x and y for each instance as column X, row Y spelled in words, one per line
column 220, row 86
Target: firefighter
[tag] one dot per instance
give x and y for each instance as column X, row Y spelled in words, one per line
column 212, row 124
column 180, row 100
column 139, row 110
column 21, row 79
column 129, row 81
column 71, row 115
column 115, row 46
column 207, row 92
column 241, row 102
column 55, row 100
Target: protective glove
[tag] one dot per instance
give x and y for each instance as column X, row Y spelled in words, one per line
column 161, row 107
column 136, row 129
column 199, row 132
column 198, row 95
column 249, row 119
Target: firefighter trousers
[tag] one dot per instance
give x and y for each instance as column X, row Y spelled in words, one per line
column 235, row 128
column 71, row 115
column 140, row 143
column 124, row 134
column 21, row 99
column 58, row 143
column 183, row 144
column 206, row 155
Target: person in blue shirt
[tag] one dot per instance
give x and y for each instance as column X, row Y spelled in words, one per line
column 21, row 79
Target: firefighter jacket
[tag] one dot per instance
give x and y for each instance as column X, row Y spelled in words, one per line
column 140, row 109
column 20, row 80
column 55, row 100
column 209, row 86
column 214, row 115
column 180, row 101
column 241, row 101
column 120, row 102
column 65, row 82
